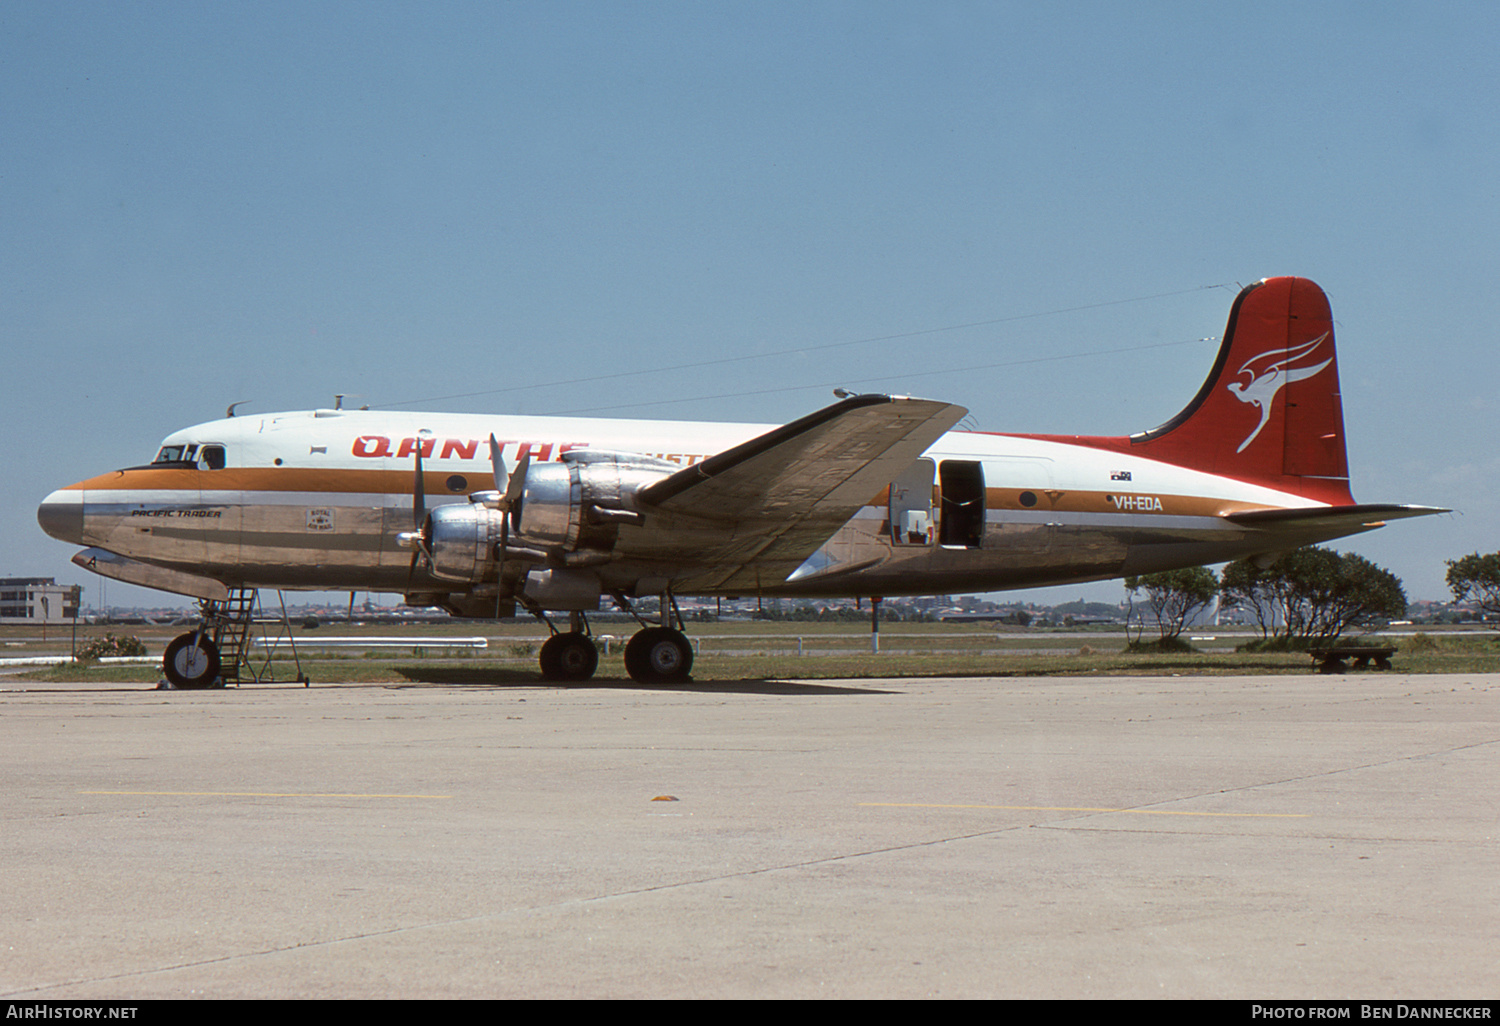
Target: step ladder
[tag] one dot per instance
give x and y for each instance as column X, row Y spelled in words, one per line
column 230, row 622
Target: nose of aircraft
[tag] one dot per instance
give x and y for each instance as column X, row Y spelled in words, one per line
column 61, row 515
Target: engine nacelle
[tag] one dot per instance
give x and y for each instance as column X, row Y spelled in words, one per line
column 461, row 541
column 569, row 513
column 550, row 510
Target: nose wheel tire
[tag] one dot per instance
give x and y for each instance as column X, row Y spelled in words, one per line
column 570, row 656
column 659, row 655
column 191, row 662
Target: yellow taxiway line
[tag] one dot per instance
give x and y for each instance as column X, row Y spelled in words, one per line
column 1070, row 808
column 266, row 794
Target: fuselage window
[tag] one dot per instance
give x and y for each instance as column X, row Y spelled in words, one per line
column 211, row 457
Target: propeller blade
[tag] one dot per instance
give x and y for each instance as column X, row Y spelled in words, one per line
column 418, row 495
column 498, row 464
column 504, row 541
column 517, row 483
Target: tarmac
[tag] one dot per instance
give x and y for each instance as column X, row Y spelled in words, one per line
column 1279, row 837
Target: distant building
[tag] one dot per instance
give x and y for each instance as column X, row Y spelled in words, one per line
column 37, row 600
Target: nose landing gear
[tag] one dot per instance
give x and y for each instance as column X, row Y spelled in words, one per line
column 192, row 662
column 216, row 653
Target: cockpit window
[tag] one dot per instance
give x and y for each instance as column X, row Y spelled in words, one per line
column 205, row 457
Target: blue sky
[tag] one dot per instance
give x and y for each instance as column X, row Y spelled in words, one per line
column 516, row 203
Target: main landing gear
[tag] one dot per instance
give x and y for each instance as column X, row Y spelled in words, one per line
column 569, row 656
column 654, row 654
column 658, row 655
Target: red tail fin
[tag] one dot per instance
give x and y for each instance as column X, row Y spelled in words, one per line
column 1270, row 411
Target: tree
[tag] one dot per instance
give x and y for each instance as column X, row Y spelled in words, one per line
column 1477, row 576
column 1252, row 589
column 1176, row 596
column 1313, row 593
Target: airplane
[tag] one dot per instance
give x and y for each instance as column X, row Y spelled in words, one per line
column 873, row 496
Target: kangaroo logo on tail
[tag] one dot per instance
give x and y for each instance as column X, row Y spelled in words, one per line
column 1269, row 373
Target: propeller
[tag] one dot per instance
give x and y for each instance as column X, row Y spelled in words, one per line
column 509, row 488
column 506, row 498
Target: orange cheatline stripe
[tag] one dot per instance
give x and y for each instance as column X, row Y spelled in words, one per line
column 397, row 482
column 277, row 479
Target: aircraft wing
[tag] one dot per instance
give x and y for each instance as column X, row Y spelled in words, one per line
column 764, row 506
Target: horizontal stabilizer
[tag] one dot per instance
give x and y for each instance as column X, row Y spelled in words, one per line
column 1356, row 517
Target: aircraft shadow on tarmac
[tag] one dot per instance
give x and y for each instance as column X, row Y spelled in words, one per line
column 463, row 676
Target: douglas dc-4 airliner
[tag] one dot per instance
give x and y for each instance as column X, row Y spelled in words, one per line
column 873, row 496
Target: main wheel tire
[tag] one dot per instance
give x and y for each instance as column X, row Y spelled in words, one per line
column 659, row 655
column 191, row 662
column 570, row 656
